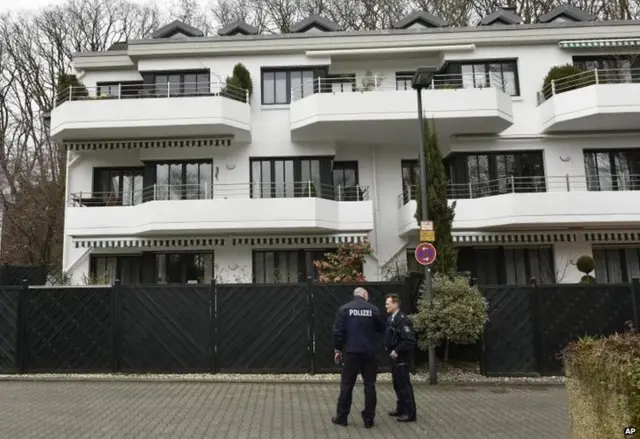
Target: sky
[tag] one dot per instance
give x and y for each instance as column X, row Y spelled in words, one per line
column 17, row 5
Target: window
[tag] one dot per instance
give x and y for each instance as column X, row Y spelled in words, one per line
column 508, row 265
column 622, row 68
column 403, row 80
column 190, row 180
column 475, row 175
column 128, row 269
column 612, row 170
column 123, row 89
column 483, row 74
column 345, row 181
column 184, row 268
column 291, row 177
column 181, row 83
column 616, row 265
column 281, row 86
column 410, row 179
column 285, row 266
column 117, row 186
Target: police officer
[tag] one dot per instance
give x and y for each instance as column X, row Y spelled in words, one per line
column 356, row 334
column 400, row 341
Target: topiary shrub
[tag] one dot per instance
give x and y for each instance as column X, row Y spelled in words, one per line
column 69, row 87
column 603, row 385
column 567, row 77
column 237, row 84
column 457, row 314
column 585, row 264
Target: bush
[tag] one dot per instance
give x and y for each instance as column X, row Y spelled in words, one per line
column 345, row 265
column 567, row 77
column 457, row 314
column 67, row 87
column 240, row 80
column 603, row 385
column 586, row 265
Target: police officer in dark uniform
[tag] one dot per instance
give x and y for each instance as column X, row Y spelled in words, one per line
column 400, row 341
column 356, row 334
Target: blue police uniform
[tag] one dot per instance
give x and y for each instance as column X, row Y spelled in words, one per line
column 356, row 333
column 400, row 337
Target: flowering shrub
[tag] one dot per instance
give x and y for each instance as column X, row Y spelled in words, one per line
column 345, row 265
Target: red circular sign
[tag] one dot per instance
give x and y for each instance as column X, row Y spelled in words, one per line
column 425, row 254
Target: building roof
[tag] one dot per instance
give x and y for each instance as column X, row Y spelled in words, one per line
column 503, row 16
column 119, row 45
column 175, row 27
column 315, row 21
column 238, row 27
column 421, row 17
column 569, row 11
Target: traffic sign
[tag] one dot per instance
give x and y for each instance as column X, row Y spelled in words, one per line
column 425, row 254
column 426, row 226
column 426, row 236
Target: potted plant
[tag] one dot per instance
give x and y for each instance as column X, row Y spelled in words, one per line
column 564, row 78
column 585, row 264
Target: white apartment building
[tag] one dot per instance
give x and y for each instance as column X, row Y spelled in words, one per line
column 173, row 178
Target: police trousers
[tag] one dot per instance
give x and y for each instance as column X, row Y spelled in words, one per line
column 366, row 365
column 406, row 402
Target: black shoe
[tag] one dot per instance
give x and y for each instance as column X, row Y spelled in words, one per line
column 368, row 424
column 395, row 413
column 407, row 418
column 339, row 421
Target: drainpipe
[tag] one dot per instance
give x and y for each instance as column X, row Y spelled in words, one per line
column 376, row 228
column 65, row 242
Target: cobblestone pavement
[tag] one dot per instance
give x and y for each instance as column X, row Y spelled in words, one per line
column 102, row 410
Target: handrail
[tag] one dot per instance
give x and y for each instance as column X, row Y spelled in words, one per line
column 511, row 185
column 205, row 191
column 585, row 79
column 144, row 91
column 443, row 81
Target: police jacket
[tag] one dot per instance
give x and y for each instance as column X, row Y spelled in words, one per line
column 357, row 327
column 400, row 336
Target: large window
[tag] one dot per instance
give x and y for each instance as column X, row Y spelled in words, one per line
column 281, row 86
column 483, row 74
column 184, row 268
column 291, row 177
column 410, row 179
column 180, row 83
column 108, row 269
column 612, row 170
column 345, row 181
column 622, row 68
column 286, row 266
column 188, row 180
column 117, row 186
column 616, row 265
column 508, row 265
column 475, row 175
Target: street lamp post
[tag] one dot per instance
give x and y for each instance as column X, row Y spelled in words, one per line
column 421, row 80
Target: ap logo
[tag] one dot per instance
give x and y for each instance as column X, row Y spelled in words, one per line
column 630, row 431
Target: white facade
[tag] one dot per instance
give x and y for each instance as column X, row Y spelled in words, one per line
column 373, row 124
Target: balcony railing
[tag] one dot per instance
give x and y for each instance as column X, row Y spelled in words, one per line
column 144, row 91
column 401, row 83
column 585, row 79
column 515, row 185
column 157, row 192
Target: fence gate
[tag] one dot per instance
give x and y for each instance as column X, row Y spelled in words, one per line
column 9, row 328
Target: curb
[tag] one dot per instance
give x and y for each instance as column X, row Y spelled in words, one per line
column 206, row 380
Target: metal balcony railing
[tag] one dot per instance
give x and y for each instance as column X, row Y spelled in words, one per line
column 145, row 91
column 514, row 185
column 204, row 191
column 585, row 79
column 397, row 83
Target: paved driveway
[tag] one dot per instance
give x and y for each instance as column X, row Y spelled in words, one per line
column 156, row 410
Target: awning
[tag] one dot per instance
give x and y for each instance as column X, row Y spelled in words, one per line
column 147, row 143
column 598, row 44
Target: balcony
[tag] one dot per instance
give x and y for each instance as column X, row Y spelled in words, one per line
column 337, row 109
column 149, row 111
column 536, row 202
column 228, row 208
column 598, row 100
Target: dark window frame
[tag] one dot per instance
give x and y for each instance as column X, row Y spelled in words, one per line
column 457, row 65
column 297, row 171
column 401, row 78
column 593, row 175
column 121, row 170
column 407, row 193
column 346, row 193
column 93, row 265
column 318, row 72
column 150, row 81
column 184, row 163
column 182, row 253
column 303, row 257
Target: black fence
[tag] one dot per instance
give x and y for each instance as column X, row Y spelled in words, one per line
column 165, row 328
column 529, row 326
